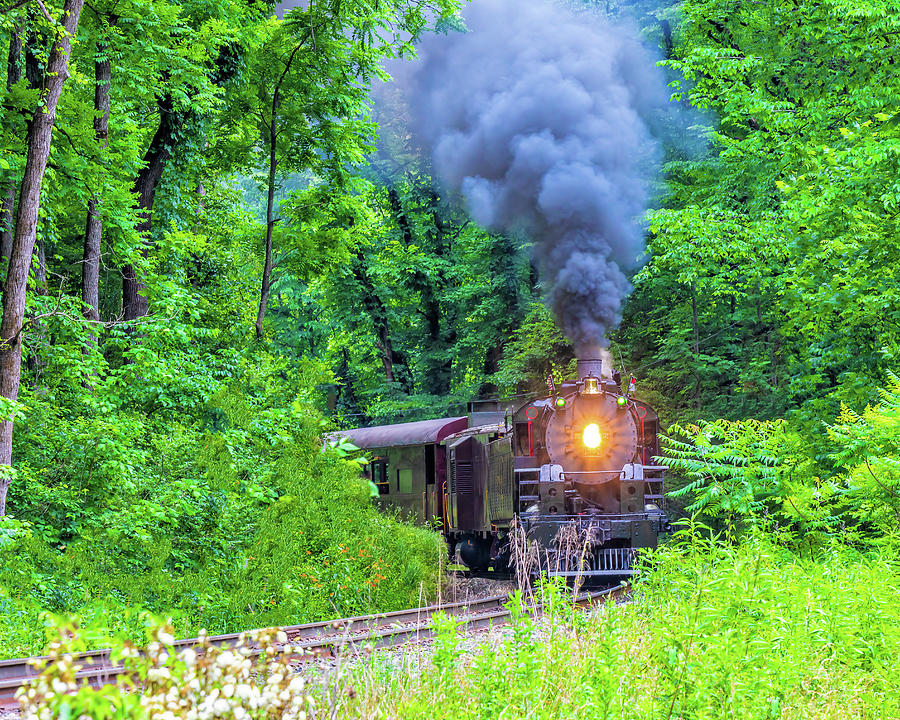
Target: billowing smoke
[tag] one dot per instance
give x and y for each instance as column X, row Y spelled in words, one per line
column 539, row 116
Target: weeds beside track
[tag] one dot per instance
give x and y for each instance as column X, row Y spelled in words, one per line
column 308, row 642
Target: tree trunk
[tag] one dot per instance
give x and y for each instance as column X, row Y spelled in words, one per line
column 35, row 75
column 8, row 201
column 39, row 138
column 90, row 266
column 270, row 204
column 40, row 270
column 667, row 38
column 93, row 234
column 696, row 328
column 377, row 312
column 270, row 220
column 441, row 333
column 134, row 302
column 38, row 286
column 7, row 208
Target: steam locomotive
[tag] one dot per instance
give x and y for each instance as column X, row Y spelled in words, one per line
column 576, row 464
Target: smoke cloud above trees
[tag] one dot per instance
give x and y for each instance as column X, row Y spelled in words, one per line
column 541, row 117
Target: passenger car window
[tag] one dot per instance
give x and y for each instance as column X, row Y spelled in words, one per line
column 404, row 480
column 380, row 477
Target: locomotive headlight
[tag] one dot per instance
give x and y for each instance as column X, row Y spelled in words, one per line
column 591, row 436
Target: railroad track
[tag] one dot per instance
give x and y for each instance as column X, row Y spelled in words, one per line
column 310, row 641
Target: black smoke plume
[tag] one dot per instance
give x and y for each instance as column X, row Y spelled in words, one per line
column 540, row 117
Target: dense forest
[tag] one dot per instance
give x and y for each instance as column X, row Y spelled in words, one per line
column 220, row 239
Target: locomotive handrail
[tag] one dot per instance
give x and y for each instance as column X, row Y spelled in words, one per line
column 590, row 472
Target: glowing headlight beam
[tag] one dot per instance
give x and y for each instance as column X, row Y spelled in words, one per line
column 591, row 436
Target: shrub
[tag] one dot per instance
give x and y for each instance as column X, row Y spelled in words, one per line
column 231, row 519
column 713, row 631
column 250, row 680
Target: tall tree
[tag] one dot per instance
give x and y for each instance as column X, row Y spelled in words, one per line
column 93, row 234
column 270, row 137
column 8, row 190
column 307, row 106
column 171, row 121
column 39, row 139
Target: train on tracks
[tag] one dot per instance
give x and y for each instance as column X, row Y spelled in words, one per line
column 572, row 471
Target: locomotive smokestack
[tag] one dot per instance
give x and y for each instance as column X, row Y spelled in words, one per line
column 595, row 362
column 590, row 367
column 543, row 119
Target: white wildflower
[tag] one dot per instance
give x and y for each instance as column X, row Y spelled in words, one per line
column 225, row 659
column 158, row 674
column 188, row 656
column 297, row 684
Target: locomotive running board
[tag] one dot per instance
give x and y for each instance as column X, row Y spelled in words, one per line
column 590, row 573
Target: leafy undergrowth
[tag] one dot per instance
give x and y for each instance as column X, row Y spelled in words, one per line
column 234, row 522
column 714, row 631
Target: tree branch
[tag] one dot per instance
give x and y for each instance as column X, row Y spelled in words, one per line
column 44, row 11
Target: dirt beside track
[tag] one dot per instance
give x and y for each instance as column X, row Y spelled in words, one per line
column 460, row 588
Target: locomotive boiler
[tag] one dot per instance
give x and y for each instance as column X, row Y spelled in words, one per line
column 574, row 464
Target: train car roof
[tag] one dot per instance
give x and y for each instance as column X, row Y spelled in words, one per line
column 422, row 432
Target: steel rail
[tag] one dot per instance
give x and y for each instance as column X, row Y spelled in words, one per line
column 310, row 641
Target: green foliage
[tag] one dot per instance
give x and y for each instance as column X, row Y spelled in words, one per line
column 537, row 351
column 712, row 631
column 732, row 469
column 173, row 465
column 770, row 285
column 766, row 475
column 245, row 522
column 869, row 448
column 417, row 319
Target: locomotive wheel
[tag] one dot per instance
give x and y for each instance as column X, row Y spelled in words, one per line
column 502, row 561
column 475, row 553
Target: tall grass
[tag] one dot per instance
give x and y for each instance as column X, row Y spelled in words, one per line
column 713, row 631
